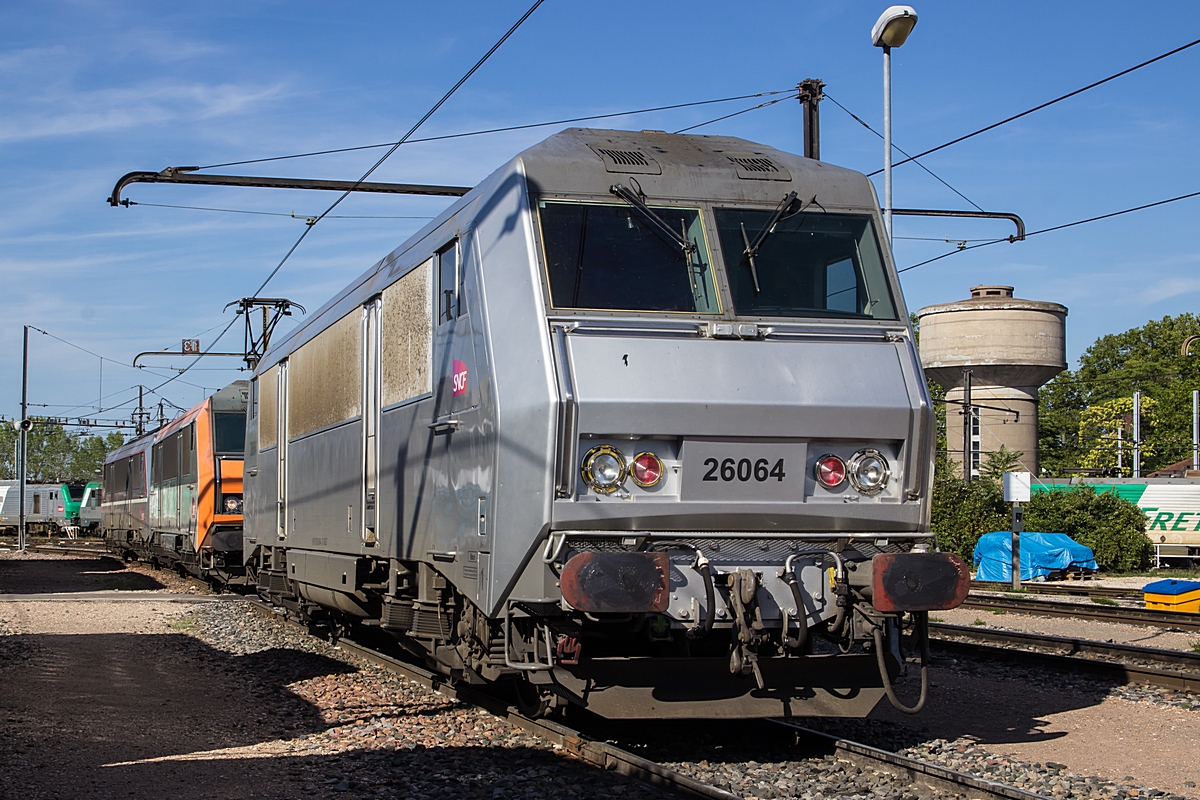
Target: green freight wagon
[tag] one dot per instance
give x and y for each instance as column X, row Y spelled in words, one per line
column 1171, row 506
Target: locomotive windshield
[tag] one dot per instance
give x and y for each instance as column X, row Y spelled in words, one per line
column 809, row 265
column 614, row 258
column 229, row 433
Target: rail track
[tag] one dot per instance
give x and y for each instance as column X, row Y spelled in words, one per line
column 933, row 776
column 608, row 756
column 1169, row 669
column 1096, row 613
column 1068, row 589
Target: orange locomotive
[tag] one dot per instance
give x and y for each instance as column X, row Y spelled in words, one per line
column 174, row 497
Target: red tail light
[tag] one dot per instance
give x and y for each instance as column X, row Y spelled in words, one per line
column 830, row 471
column 646, row 469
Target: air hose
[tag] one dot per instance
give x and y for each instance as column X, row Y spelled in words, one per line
column 789, row 577
column 922, row 630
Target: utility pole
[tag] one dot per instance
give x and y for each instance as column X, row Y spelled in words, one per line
column 810, row 95
column 967, row 420
column 1121, row 450
column 141, row 416
column 24, row 441
column 1137, row 434
column 1195, row 428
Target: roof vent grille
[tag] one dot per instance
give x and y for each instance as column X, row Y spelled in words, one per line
column 626, row 158
column 756, row 164
column 758, row 167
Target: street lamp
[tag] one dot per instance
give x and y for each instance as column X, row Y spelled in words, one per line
column 891, row 30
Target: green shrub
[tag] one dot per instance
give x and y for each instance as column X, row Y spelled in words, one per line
column 1113, row 527
column 962, row 512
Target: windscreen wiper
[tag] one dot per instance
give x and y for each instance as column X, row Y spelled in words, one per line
column 752, row 249
column 656, row 222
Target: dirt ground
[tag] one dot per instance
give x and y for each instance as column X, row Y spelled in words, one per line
column 178, row 697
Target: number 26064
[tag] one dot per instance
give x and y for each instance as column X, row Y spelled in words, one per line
column 743, row 470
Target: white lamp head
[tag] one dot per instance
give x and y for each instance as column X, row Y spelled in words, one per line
column 893, row 26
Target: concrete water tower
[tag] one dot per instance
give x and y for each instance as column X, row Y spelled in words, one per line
column 1010, row 348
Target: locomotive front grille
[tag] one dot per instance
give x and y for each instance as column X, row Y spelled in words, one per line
column 770, row 548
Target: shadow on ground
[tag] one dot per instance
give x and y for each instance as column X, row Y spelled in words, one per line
column 65, row 574
column 153, row 716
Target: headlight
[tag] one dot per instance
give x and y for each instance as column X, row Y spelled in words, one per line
column 233, row 504
column 830, row 471
column 603, row 469
column 869, row 471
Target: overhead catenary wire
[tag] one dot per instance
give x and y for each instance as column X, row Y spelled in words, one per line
column 1047, row 104
column 505, row 129
column 1055, row 228
column 895, row 147
column 738, row 113
column 392, row 149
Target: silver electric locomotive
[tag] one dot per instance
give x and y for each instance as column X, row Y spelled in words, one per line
column 637, row 424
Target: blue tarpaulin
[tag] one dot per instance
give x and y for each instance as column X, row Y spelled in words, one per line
column 1041, row 554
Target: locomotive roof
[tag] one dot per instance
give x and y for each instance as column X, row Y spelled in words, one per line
column 587, row 162
column 685, row 166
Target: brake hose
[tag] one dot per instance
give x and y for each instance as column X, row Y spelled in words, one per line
column 922, row 626
column 789, row 577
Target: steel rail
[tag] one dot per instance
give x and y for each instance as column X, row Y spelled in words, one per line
column 594, row 753
column 1097, row 613
column 1072, row 590
column 1176, row 669
column 98, row 550
column 935, row 776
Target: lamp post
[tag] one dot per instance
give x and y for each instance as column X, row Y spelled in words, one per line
column 890, row 30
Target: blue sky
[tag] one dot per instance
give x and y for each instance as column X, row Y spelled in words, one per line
column 91, row 90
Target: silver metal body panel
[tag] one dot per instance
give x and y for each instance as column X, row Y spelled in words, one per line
column 476, row 499
column 42, row 502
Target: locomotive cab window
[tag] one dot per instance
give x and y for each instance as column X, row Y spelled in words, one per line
column 229, row 433
column 807, row 265
column 449, row 299
column 611, row 257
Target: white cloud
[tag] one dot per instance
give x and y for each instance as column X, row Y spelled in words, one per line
column 69, row 112
column 1167, row 289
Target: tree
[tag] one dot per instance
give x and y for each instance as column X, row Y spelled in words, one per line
column 1114, row 366
column 1001, row 461
column 55, row 455
column 1099, row 424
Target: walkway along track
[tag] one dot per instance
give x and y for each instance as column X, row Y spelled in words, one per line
column 606, row 756
column 1096, row 613
column 1173, row 669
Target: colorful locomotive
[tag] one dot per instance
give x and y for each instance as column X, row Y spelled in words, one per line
column 174, row 496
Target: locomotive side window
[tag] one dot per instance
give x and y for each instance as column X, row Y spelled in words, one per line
column 268, row 389
column 808, row 265
column 137, row 475
column 609, row 257
column 449, row 284
column 323, row 377
column 407, row 328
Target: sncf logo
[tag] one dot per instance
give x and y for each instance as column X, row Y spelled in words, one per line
column 460, row 377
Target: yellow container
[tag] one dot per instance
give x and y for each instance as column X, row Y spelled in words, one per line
column 1173, row 595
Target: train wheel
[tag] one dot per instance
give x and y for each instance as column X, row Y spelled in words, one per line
column 535, row 701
